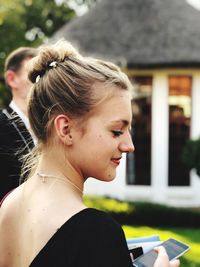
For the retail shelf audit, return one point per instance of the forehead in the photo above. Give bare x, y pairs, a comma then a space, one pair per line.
117, 106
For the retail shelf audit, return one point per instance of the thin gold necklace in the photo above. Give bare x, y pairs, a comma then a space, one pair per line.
66, 179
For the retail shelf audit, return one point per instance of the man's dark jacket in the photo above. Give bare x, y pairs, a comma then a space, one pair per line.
15, 141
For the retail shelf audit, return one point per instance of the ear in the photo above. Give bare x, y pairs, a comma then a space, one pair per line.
63, 124
10, 78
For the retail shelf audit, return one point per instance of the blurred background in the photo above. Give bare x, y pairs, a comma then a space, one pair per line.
157, 43
31, 23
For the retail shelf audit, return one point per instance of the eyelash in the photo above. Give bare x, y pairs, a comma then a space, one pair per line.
117, 133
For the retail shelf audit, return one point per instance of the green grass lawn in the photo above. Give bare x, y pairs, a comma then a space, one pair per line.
189, 236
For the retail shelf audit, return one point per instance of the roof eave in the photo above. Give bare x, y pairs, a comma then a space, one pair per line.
164, 65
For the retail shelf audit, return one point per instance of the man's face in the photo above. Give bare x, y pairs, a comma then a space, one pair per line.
22, 84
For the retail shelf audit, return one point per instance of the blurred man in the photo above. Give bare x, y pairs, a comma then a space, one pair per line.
15, 135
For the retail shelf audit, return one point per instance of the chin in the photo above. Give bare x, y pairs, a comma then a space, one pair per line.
109, 177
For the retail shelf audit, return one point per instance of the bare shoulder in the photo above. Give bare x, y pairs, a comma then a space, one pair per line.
8, 222
23, 217
9, 214
9, 205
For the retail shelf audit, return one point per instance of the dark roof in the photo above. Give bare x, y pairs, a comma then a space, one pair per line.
139, 33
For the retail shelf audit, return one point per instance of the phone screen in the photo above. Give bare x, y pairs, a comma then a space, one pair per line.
135, 252
174, 250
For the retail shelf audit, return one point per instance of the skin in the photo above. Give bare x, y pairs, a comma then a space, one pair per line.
108, 132
163, 260
75, 153
19, 85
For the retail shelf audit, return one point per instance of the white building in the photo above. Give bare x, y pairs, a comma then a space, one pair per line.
157, 42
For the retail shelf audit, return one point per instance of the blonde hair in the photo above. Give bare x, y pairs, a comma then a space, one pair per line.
64, 83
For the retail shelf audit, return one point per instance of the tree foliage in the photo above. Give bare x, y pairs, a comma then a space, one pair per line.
30, 23
191, 155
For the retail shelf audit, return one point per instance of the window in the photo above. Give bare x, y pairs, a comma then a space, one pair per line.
179, 127
139, 162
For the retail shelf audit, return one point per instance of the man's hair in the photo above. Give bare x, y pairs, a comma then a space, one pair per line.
15, 58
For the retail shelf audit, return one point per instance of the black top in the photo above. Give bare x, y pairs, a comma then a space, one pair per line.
90, 238
15, 141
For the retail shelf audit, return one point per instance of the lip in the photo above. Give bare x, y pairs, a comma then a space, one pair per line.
116, 161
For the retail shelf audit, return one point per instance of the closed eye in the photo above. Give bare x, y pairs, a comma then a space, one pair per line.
117, 133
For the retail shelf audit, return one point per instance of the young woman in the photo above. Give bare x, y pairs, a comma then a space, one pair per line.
80, 112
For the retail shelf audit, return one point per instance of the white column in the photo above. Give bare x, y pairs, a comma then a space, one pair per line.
195, 120
195, 130
160, 129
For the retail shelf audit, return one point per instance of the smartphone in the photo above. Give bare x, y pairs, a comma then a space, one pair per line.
135, 252
174, 249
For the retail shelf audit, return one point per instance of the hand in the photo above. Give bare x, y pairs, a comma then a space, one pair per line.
163, 259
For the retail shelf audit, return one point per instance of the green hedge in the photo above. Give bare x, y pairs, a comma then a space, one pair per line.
144, 213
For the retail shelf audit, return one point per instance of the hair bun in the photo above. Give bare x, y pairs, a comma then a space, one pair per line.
57, 52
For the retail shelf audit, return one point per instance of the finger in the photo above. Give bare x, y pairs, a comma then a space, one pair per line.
161, 251
175, 263
162, 259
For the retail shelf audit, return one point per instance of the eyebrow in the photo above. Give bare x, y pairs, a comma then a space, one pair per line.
125, 122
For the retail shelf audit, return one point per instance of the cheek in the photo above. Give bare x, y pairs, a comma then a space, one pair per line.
24, 85
105, 141
104, 145
27, 83
101, 152
98, 152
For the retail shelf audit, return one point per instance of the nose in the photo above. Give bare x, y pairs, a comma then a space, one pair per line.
127, 146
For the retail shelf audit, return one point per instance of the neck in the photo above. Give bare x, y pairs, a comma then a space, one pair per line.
21, 104
53, 167
46, 176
